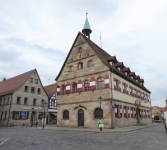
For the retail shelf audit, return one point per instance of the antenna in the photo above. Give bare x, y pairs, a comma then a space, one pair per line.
100, 40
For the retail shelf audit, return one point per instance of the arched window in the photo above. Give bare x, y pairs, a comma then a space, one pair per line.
66, 114
80, 66
63, 89
87, 85
74, 87
97, 113
100, 83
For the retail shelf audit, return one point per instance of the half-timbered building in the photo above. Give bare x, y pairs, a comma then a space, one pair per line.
87, 73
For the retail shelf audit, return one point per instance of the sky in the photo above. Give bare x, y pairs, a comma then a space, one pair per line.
39, 34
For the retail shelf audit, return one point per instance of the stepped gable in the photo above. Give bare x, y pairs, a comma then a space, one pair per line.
50, 89
11, 85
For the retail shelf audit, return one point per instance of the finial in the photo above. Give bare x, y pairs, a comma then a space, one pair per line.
86, 13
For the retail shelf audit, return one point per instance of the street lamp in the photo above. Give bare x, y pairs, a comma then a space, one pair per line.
32, 118
100, 100
44, 114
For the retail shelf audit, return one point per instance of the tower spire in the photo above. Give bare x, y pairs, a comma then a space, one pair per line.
86, 29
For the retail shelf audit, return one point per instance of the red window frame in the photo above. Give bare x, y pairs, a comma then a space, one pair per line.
87, 85
100, 83
97, 113
66, 114
74, 87
63, 89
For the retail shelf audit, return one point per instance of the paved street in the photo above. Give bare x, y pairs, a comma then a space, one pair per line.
17, 138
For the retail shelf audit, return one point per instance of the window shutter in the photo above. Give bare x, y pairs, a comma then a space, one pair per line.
106, 79
58, 90
128, 112
119, 85
116, 111
121, 111
131, 112
79, 86
27, 114
13, 115
123, 87
127, 88
125, 111
135, 112
115, 87
68, 85
92, 84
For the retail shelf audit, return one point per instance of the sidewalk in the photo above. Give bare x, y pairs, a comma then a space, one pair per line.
117, 130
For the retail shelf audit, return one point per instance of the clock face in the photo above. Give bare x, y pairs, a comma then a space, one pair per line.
79, 56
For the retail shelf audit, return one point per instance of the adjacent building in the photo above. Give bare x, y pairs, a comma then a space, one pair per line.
51, 91
88, 72
22, 99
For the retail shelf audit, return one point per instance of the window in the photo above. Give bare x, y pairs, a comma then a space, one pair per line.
34, 102
0, 101
118, 110
71, 68
25, 101
5, 115
18, 100
16, 114
1, 115
74, 87
31, 80
125, 87
87, 85
32, 90
36, 81
80, 66
23, 117
39, 91
117, 84
126, 109
26, 89
90, 63
8, 100
40, 115
63, 89
80, 50
100, 83
53, 102
66, 114
97, 113
4, 101
34, 74
42, 103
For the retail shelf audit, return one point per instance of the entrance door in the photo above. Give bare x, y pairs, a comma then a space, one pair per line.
80, 117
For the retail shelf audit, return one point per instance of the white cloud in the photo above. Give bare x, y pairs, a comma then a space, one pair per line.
39, 34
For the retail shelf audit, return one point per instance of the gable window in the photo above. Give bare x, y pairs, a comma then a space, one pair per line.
36, 81
71, 68
42, 103
63, 89
18, 100
66, 114
34, 102
31, 80
39, 91
74, 87
80, 50
34, 74
80, 66
100, 83
87, 85
25, 101
26, 89
32, 90
97, 113
90, 63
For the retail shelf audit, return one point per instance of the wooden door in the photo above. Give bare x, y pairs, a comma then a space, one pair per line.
80, 117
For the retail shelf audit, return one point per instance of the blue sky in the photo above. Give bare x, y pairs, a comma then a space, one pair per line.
39, 34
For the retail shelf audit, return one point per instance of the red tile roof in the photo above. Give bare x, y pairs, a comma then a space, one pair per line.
126, 69
118, 64
104, 56
11, 85
131, 73
51, 89
137, 77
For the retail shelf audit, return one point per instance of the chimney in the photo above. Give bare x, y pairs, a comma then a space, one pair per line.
4, 79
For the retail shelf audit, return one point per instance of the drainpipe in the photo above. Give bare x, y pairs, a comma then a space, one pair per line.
10, 108
112, 121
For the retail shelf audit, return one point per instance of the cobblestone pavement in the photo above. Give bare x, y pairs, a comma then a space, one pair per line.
152, 138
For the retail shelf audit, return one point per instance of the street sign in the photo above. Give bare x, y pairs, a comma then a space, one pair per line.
23, 113
111, 106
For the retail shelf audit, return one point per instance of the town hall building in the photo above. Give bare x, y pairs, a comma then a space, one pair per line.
88, 72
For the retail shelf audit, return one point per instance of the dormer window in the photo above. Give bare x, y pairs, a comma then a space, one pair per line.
80, 66
71, 68
80, 50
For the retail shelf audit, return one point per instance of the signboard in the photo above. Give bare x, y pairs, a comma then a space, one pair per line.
23, 113
111, 107
38, 108
101, 123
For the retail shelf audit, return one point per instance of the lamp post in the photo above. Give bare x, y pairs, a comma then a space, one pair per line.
44, 114
100, 100
32, 118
